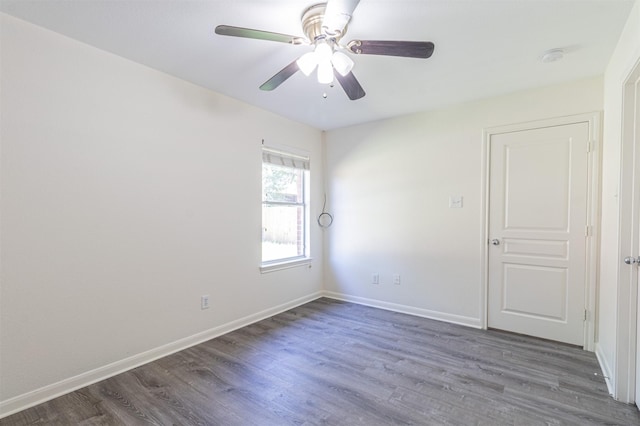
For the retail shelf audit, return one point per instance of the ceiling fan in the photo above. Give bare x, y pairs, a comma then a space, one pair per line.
324, 26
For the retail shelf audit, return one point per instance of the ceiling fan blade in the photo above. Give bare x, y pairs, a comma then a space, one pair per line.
350, 85
280, 77
407, 49
337, 15
258, 34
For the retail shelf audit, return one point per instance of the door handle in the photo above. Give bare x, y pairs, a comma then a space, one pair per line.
631, 260
495, 242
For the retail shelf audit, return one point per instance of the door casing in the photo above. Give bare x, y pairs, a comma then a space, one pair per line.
624, 368
593, 199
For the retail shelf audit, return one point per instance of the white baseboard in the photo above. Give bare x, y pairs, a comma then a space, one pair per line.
46, 393
405, 309
606, 368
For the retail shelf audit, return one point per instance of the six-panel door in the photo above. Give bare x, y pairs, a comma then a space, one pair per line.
537, 218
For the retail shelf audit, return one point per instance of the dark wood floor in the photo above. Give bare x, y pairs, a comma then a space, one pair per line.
337, 363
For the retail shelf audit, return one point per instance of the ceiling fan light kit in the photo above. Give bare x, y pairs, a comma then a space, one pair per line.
326, 61
342, 63
325, 72
307, 63
324, 26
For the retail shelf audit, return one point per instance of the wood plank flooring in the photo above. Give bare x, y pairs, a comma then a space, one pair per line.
337, 363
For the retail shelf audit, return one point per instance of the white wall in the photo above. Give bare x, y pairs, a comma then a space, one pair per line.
126, 195
389, 184
625, 56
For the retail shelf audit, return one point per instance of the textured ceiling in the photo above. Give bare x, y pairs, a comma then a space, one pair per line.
483, 48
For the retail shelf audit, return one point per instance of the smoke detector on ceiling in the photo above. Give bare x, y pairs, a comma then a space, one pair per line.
552, 55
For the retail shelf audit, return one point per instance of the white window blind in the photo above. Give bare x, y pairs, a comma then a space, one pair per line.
285, 159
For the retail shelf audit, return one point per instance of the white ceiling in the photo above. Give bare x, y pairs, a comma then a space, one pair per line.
483, 48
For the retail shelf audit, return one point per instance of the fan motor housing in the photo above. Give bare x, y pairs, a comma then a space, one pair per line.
312, 24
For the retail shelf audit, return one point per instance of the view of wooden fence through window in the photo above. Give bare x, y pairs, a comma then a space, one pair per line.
283, 212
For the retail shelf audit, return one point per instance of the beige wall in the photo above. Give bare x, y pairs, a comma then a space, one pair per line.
126, 195
389, 184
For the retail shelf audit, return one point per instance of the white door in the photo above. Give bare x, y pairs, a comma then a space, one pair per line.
630, 244
635, 248
637, 282
537, 223
627, 325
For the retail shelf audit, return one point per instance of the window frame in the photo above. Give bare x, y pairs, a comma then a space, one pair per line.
293, 156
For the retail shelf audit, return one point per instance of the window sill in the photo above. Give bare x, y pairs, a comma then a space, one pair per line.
271, 267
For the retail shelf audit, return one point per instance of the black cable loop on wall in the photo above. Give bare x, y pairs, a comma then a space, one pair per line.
325, 214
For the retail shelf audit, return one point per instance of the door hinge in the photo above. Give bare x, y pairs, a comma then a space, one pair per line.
590, 146
587, 230
585, 315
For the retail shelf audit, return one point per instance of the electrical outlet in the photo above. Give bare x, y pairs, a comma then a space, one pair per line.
396, 279
375, 278
204, 302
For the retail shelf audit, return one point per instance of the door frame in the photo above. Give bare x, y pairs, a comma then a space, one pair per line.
593, 211
624, 368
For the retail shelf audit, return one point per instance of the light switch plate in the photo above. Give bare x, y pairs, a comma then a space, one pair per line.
204, 301
455, 201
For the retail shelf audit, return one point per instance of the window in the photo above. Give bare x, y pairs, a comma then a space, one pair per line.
285, 183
